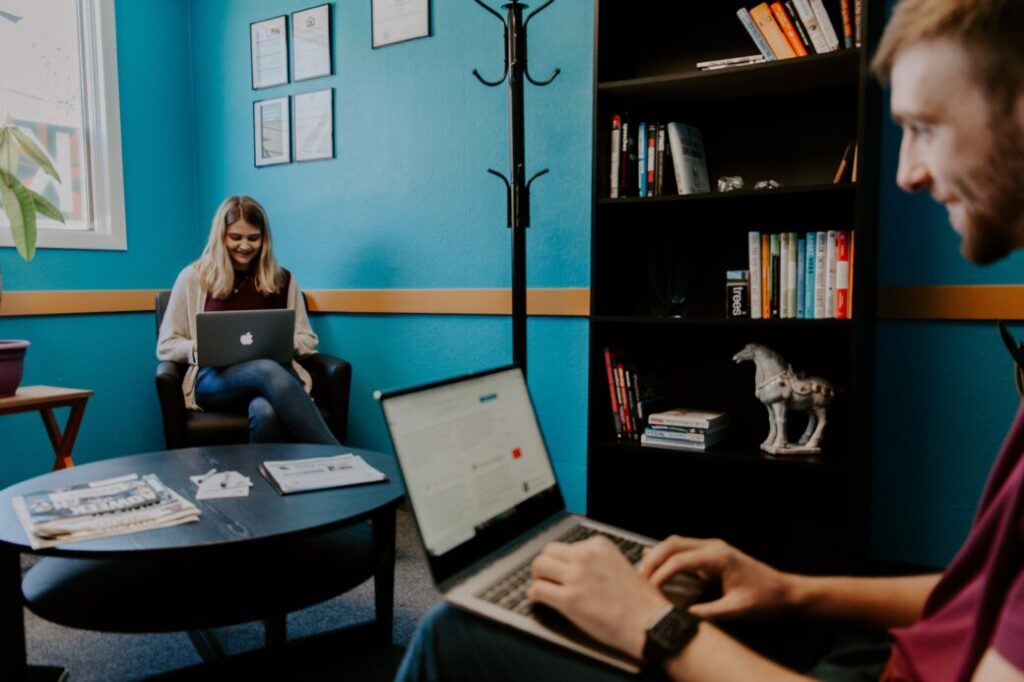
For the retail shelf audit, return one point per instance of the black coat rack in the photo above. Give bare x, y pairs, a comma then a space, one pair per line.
516, 186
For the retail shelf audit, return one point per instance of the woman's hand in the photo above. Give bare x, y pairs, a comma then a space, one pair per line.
595, 587
749, 587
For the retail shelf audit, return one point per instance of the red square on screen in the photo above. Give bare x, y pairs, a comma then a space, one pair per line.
516, 453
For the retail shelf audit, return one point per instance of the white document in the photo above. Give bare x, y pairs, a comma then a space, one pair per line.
315, 473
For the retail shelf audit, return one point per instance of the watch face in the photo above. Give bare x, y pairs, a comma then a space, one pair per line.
669, 635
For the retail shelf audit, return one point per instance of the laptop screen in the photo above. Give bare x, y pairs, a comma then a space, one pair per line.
473, 459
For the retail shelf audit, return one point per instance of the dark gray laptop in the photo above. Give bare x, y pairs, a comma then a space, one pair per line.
482, 489
232, 336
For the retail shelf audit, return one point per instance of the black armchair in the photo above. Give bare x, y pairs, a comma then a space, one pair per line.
332, 379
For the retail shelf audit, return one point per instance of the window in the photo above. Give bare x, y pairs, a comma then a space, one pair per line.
58, 83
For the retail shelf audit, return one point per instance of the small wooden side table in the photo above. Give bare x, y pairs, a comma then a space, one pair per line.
45, 399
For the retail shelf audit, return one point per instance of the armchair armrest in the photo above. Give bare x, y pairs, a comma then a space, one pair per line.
169, 376
332, 381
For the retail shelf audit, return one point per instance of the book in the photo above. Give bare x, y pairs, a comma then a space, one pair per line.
754, 264
857, 9
794, 18
686, 435
776, 286
651, 158
688, 161
853, 243
812, 246
765, 22
319, 473
670, 443
125, 504
624, 413
784, 275
845, 10
791, 275
732, 61
819, 275
842, 275
616, 156
737, 288
680, 416
659, 161
766, 280
801, 276
825, 22
810, 22
627, 161
830, 275
788, 30
755, 34
609, 365
641, 158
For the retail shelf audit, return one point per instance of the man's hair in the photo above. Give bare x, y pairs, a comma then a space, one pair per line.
992, 31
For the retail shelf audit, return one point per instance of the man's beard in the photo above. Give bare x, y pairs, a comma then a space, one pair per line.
995, 194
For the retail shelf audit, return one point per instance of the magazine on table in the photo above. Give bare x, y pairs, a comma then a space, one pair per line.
126, 504
317, 473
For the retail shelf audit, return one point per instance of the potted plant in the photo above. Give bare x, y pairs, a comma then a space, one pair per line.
20, 204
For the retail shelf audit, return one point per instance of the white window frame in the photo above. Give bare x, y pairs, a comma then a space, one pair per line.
102, 135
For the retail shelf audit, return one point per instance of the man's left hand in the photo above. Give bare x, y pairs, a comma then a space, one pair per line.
595, 587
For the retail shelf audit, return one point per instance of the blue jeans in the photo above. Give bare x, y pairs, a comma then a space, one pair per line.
277, 404
453, 645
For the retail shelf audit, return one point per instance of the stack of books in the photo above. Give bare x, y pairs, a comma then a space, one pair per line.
785, 29
685, 429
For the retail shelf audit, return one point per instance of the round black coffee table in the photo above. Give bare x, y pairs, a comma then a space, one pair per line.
260, 556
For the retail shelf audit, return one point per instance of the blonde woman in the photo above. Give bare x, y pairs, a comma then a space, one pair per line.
237, 271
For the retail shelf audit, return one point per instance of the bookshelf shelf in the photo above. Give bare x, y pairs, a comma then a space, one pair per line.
655, 256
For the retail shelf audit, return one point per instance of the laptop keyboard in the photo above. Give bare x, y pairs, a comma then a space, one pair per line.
510, 592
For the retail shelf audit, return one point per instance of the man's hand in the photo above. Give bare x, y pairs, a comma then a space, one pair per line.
749, 587
593, 585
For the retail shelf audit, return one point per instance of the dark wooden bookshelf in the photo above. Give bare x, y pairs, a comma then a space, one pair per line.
786, 120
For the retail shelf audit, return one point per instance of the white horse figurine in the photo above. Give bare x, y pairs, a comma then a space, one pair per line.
780, 389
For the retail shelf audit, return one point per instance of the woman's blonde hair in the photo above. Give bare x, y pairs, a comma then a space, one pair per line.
214, 267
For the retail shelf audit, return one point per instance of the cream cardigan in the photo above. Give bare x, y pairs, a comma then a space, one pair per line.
178, 330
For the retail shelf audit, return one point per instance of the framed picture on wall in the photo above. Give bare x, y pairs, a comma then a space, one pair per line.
268, 46
311, 43
271, 126
395, 21
314, 125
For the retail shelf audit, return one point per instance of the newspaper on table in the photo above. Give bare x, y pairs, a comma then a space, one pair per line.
114, 506
317, 473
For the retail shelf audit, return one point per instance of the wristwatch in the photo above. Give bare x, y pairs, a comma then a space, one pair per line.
667, 634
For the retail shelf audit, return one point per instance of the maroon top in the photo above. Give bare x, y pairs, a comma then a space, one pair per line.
245, 296
979, 602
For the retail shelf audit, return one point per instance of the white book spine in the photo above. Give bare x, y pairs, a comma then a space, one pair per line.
830, 275
810, 22
791, 273
826, 25
755, 33
616, 156
819, 276
754, 258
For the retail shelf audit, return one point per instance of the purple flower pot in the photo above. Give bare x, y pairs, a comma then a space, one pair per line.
12, 357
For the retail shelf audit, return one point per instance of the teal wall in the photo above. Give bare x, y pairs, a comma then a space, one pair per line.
406, 203
114, 354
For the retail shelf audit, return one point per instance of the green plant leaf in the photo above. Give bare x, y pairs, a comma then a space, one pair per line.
8, 153
34, 152
21, 212
44, 206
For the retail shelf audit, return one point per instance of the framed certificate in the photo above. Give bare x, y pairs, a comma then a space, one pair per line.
314, 125
271, 126
268, 45
311, 43
395, 21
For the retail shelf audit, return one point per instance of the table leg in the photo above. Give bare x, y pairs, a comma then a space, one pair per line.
62, 444
384, 578
12, 618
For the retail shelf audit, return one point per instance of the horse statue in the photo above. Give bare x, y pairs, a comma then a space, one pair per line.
781, 389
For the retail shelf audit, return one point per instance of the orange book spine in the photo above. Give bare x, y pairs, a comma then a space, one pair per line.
766, 279
853, 243
765, 22
788, 29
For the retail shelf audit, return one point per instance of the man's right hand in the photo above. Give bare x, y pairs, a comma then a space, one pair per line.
749, 587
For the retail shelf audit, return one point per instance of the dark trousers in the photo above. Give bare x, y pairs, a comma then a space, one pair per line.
452, 645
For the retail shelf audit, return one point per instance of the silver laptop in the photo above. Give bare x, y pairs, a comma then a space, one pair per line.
484, 495
232, 336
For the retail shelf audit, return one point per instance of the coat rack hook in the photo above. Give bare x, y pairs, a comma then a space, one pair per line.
500, 175
535, 12
498, 15
491, 84
534, 177
545, 82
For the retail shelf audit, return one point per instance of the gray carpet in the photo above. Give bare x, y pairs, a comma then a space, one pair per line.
104, 656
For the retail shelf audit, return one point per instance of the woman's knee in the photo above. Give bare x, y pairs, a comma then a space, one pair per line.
261, 411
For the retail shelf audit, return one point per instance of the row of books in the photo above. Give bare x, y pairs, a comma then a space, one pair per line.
635, 393
643, 153
795, 276
785, 29
685, 429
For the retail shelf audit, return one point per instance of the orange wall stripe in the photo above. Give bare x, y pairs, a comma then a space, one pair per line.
954, 302
553, 302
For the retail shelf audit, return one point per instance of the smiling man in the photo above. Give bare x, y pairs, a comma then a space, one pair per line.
956, 69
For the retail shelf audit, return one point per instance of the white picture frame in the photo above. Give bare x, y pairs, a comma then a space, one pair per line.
268, 48
311, 43
271, 125
395, 21
313, 115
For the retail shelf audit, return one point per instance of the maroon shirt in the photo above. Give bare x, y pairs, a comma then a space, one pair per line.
979, 602
245, 296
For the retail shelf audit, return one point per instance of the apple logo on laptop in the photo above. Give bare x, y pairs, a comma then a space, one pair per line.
246, 339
